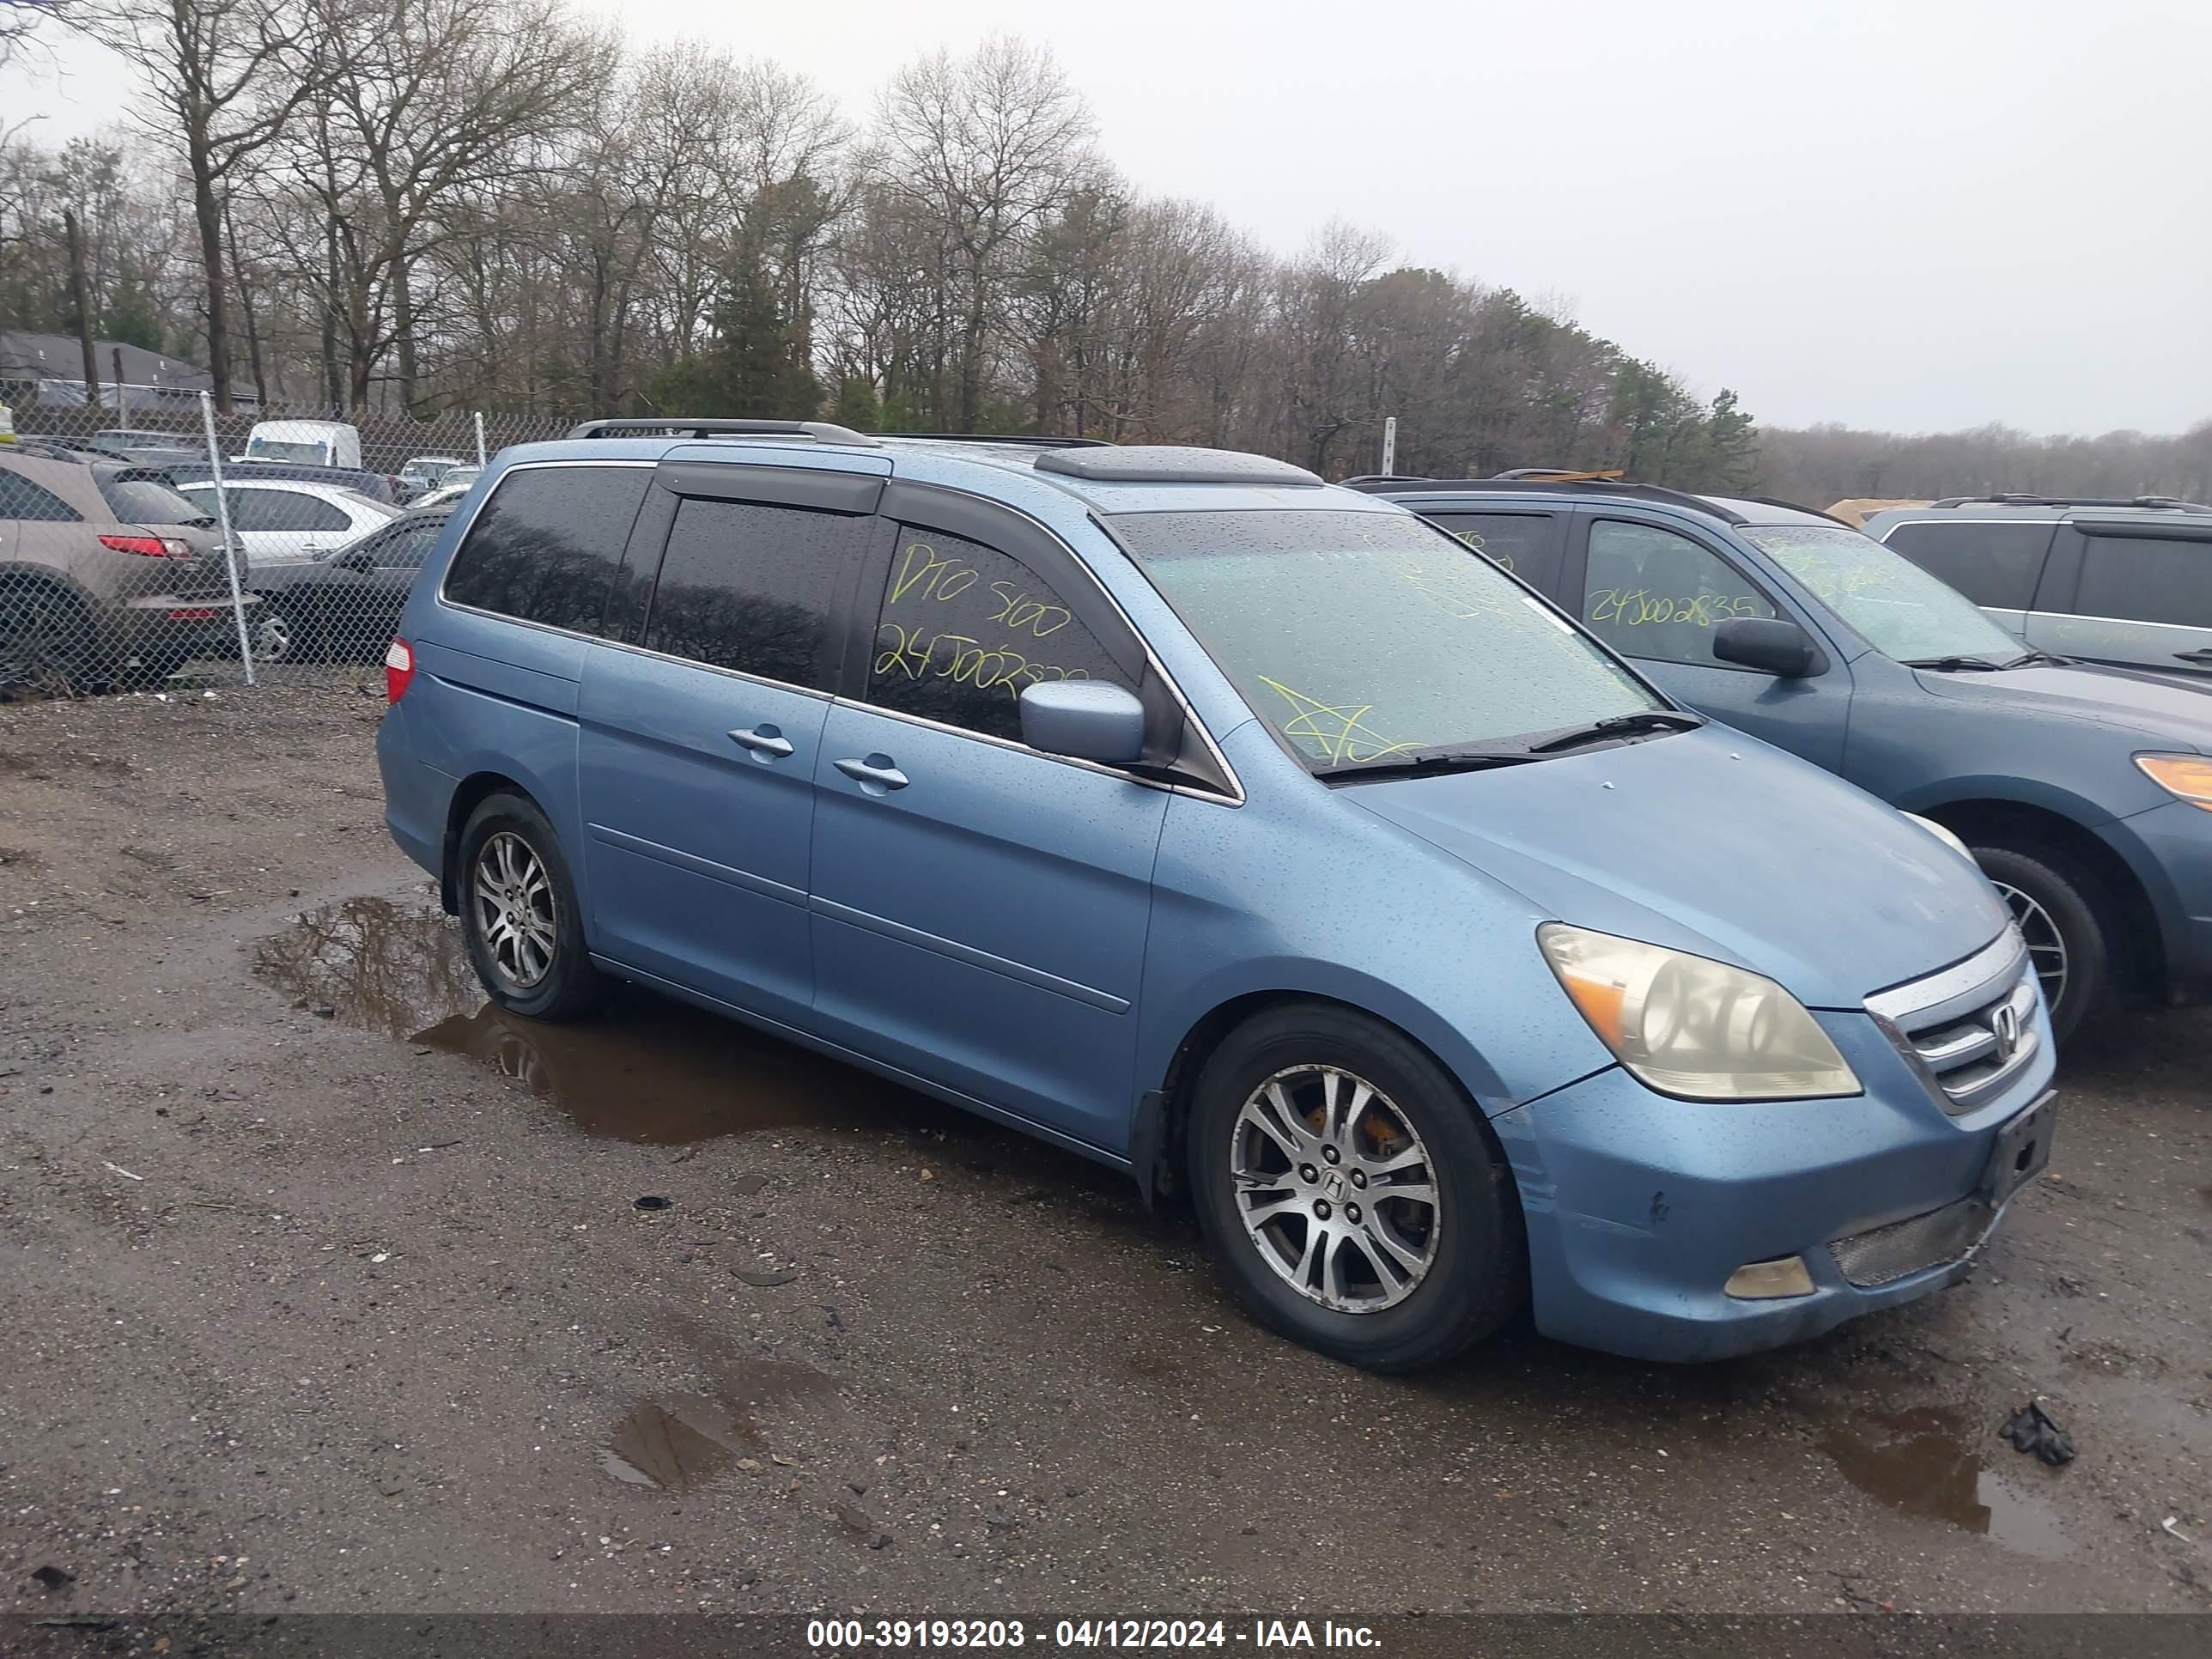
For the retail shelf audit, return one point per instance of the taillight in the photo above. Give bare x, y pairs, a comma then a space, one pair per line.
399, 670
152, 547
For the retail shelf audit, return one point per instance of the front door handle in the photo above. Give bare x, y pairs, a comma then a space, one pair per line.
2204, 656
875, 773
763, 739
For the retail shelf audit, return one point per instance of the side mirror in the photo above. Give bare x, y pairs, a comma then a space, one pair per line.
1773, 645
1083, 719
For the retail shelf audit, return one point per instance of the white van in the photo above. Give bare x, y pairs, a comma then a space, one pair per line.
312, 443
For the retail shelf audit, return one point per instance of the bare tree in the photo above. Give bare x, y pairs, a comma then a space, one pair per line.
226, 75
18, 18
987, 147
429, 102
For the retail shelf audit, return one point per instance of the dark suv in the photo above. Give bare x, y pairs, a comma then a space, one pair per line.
2125, 582
2084, 794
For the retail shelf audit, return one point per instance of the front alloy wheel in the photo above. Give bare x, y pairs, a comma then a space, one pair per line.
1334, 1188
2046, 946
1351, 1191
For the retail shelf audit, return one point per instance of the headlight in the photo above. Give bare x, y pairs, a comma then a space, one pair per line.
1941, 835
1690, 1026
2189, 776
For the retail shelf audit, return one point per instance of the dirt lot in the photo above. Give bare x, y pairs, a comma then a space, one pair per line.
326, 1288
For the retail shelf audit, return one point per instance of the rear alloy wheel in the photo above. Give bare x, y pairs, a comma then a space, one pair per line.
1352, 1193
2060, 911
520, 914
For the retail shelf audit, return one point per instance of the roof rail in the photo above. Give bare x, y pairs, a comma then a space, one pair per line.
1033, 440
2168, 503
1565, 474
1798, 506
823, 432
1640, 492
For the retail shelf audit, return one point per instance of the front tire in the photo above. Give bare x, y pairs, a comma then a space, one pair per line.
2061, 911
520, 916
1352, 1193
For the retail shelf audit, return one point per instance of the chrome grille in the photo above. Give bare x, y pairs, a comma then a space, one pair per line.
1969, 1029
1912, 1245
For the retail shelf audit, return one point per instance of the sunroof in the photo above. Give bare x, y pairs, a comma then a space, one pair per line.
1170, 464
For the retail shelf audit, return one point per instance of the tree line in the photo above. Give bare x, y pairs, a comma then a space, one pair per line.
406, 206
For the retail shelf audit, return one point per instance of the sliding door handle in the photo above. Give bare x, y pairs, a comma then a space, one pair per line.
762, 739
876, 772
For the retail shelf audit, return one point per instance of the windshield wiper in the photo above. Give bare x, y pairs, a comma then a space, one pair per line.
1951, 664
1620, 725
1430, 762
2034, 657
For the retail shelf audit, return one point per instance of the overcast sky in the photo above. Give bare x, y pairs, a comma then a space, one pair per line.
1917, 215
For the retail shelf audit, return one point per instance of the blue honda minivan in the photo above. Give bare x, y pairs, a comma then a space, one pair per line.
1249, 835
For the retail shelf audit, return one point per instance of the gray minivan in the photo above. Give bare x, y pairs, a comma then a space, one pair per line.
2123, 582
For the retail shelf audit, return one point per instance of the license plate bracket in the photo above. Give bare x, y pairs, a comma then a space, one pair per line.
2021, 1151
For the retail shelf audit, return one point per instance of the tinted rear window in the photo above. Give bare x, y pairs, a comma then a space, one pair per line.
2136, 579
750, 586
143, 500
1992, 564
545, 546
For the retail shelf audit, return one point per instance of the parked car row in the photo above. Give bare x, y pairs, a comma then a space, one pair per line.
1399, 910
2079, 790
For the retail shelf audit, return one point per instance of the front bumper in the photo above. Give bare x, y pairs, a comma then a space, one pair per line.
1639, 1207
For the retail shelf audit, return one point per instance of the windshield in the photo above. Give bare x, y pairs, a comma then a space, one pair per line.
1361, 636
139, 498
1902, 610
279, 449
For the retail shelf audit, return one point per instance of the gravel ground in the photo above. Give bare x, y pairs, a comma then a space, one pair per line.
328, 1290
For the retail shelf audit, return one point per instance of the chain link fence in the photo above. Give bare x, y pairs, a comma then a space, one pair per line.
113, 534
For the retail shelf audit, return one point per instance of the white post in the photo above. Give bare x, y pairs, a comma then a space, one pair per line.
222, 518
480, 449
1390, 446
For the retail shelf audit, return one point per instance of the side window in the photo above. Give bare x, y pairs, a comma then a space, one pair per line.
2135, 579
22, 499
1992, 564
964, 628
250, 509
294, 509
1649, 592
1520, 542
752, 587
405, 549
545, 546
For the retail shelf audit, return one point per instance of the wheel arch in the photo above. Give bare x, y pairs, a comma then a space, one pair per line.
468, 795
1159, 1144
2026, 826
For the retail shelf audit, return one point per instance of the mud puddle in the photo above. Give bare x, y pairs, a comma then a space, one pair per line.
643, 1069
1921, 1462
681, 1443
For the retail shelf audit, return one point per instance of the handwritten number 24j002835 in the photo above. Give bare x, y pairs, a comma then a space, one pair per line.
919, 645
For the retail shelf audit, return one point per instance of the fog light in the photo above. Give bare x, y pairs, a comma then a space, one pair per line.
1757, 1282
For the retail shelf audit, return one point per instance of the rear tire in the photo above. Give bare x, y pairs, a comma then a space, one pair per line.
46, 643
520, 916
2064, 914
1397, 1240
